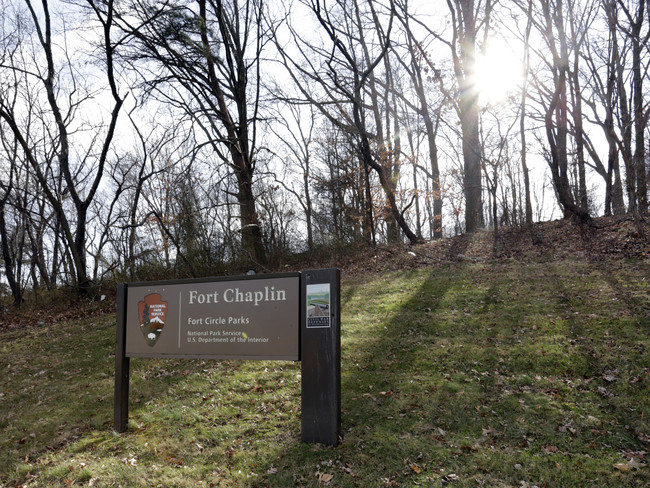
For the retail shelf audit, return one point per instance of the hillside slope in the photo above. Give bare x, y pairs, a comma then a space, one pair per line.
604, 238
464, 364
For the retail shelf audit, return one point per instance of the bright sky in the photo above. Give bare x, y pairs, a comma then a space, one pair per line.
499, 72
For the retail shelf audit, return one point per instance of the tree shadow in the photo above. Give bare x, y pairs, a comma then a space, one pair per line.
460, 364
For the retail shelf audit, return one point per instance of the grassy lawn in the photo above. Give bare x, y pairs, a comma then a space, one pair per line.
474, 374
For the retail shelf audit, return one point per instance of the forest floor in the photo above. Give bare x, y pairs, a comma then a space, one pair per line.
516, 362
603, 238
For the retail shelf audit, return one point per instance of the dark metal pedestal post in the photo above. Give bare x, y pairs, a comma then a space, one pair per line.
320, 356
121, 395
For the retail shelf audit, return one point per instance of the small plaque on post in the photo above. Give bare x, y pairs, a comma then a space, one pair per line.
319, 302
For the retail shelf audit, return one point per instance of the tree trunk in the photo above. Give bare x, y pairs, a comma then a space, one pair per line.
576, 114
414, 69
14, 286
237, 133
464, 58
522, 121
250, 225
640, 119
435, 172
555, 120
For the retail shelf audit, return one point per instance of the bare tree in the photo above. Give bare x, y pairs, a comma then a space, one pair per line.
7, 186
339, 189
63, 97
579, 21
496, 132
155, 148
336, 76
420, 69
207, 56
466, 25
296, 131
549, 19
634, 114
600, 56
522, 120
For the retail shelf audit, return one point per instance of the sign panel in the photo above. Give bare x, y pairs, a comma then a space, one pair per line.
247, 317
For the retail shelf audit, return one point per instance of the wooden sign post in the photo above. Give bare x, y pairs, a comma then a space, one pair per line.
246, 317
320, 346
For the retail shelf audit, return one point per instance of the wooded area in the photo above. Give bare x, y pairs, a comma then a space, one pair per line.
152, 138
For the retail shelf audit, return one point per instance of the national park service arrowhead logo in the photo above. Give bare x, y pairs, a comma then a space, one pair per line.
152, 312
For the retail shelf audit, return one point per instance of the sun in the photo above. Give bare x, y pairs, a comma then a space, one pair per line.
498, 73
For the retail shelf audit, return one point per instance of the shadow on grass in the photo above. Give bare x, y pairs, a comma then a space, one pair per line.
388, 415
484, 375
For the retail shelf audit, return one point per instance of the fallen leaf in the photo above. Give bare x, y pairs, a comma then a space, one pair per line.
488, 432
450, 477
416, 469
604, 392
632, 465
644, 437
389, 482
133, 461
325, 477
635, 464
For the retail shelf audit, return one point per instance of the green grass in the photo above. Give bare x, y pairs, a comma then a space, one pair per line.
468, 375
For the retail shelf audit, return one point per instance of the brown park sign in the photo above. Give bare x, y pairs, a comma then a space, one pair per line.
284, 316
251, 317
